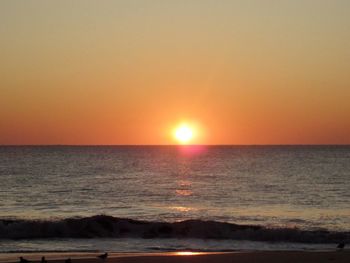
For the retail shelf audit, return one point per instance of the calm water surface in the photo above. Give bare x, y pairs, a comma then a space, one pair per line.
291, 186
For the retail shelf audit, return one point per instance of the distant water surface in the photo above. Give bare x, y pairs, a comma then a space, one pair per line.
275, 186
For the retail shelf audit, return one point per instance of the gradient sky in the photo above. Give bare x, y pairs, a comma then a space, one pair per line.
127, 72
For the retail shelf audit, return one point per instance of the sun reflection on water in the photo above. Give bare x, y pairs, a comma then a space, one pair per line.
187, 253
183, 192
184, 188
183, 208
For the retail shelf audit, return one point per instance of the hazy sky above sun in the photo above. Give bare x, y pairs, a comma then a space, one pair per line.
129, 72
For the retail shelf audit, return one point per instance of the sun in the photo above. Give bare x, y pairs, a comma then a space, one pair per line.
184, 133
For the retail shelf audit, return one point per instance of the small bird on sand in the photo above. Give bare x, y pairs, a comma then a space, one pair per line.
341, 246
68, 260
43, 260
103, 256
23, 260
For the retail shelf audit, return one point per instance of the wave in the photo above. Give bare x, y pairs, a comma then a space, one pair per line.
103, 226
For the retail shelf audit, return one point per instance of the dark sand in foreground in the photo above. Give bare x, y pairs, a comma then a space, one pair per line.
176, 257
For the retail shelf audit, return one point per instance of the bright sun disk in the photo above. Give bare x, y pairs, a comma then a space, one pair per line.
183, 134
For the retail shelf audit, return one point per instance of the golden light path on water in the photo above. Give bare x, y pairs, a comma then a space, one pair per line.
184, 189
188, 253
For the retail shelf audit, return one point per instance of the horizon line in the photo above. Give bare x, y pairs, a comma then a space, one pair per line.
165, 145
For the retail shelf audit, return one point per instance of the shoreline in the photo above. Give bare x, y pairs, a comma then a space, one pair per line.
185, 256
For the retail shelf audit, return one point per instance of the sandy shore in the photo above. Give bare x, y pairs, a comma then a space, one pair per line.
179, 257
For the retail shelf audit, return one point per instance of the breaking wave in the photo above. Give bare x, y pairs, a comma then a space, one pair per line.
103, 226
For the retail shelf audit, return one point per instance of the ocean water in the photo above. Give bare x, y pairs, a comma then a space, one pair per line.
83, 198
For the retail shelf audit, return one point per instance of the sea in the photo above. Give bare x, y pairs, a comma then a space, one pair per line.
173, 198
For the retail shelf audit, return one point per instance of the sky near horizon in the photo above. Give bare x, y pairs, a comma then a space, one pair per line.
128, 72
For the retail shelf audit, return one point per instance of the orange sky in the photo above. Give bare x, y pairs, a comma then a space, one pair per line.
127, 72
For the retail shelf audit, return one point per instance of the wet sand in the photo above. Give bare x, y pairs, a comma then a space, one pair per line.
189, 257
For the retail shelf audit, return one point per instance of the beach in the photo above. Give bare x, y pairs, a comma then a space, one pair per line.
174, 131
178, 257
